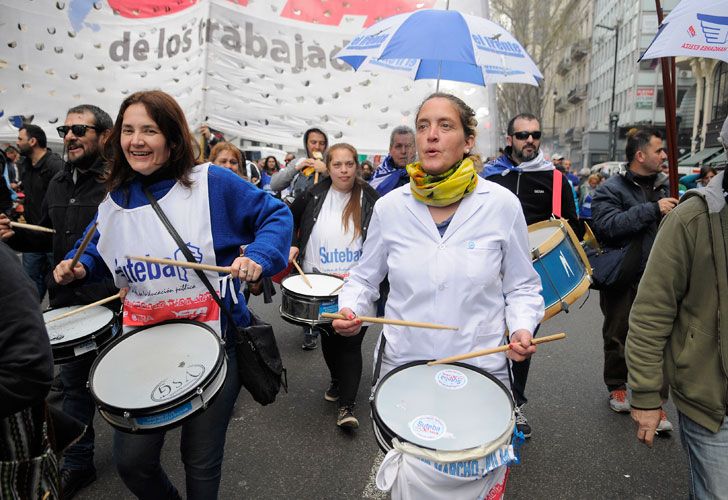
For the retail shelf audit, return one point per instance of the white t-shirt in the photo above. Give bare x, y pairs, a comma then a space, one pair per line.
330, 249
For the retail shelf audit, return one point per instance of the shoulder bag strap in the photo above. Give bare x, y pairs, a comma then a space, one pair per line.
188, 255
556, 194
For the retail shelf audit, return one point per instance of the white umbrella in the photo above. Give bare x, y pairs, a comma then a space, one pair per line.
442, 45
695, 28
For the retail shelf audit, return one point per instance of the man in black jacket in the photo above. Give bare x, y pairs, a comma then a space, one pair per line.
523, 170
626, 211
69, 206
37, 167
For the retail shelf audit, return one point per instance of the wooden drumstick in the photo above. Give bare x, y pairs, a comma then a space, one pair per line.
317, 156
485, 352
386, 321
336, 289
81, 309
84, 244
32, 227
180, 263
300, 271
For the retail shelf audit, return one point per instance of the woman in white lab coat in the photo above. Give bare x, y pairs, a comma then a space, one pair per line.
455, 248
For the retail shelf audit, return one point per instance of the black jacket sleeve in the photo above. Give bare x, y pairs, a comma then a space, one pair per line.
26, 362
616, 218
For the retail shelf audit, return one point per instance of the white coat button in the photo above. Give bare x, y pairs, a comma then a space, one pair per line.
441, 287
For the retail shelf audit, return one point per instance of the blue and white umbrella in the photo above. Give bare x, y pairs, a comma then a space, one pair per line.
695, 28
442, 45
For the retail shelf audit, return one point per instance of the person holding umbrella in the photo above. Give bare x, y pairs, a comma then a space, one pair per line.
454, 246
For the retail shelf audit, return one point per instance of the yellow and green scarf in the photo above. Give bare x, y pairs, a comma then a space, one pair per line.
443, 189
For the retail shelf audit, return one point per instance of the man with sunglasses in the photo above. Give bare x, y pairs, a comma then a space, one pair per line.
523, 170
69, 206
38, 166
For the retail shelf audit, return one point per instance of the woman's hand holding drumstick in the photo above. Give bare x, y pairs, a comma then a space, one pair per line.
246, 269
63, 274
521, 347
347, 327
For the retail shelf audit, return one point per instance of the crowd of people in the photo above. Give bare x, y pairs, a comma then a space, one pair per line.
432, 232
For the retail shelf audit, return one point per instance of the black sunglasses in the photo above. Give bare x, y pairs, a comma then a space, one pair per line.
522, 136
78, 130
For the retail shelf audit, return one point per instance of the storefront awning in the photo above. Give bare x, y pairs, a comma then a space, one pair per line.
699, 157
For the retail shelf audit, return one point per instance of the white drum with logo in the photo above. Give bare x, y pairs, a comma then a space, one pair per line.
302, 304
80, 336
452, 424
157, 376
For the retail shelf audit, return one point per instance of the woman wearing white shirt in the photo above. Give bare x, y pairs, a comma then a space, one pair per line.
455, 248
331, 221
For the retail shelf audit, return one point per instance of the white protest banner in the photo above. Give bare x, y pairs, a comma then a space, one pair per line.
259, 70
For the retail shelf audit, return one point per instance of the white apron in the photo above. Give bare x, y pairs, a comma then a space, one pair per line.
158, 293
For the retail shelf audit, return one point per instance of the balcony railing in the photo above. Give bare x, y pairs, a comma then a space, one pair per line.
580, 49
577, 94
564, 66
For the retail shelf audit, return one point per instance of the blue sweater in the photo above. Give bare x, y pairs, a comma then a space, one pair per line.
240, 214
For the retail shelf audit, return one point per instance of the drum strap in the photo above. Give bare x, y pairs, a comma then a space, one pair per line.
190, 258
380, 355
556, 194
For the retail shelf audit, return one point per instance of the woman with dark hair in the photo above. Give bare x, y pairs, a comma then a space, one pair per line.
332, 218
455, 249
225, 222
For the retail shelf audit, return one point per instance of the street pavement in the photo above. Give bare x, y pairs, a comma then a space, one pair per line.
293, 450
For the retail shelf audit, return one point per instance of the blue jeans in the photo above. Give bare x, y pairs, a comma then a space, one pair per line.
37, 266
202, 446
707, 458
77, 402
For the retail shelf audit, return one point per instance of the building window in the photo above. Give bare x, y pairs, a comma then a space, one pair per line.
720, 92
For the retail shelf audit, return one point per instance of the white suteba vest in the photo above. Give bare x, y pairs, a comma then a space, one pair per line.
158, 293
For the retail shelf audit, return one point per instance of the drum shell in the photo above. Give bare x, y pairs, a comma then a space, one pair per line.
562, 266
90, 345
302, 309
127, 420
384, 434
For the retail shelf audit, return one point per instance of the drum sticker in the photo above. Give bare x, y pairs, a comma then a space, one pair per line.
84, 348
186, 376
451, 379
165, 417
428, 427
329, 307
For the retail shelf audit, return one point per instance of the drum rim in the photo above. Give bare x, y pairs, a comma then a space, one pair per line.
176, 401
106, 335
78, 340
377, 419
308, 296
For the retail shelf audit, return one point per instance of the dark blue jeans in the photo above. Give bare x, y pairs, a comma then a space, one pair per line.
37, 266
202, 446
77, 402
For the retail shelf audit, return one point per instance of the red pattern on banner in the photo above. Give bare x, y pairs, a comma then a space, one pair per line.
202, 308
307, 11
497, 491
331, 13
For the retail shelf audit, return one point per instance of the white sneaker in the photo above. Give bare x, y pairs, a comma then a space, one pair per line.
618, 401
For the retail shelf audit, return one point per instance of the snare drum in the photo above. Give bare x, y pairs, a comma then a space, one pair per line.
561, 263
448, 408
457, 418
302, 305
80, 336
156, 376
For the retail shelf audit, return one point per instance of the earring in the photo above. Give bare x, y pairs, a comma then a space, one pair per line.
467, 151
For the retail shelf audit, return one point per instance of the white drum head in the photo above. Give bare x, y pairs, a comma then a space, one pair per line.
77, 326
323, 285
538, 237
155, 366
444, 407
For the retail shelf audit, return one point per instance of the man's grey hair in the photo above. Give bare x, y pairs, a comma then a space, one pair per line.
400, 130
